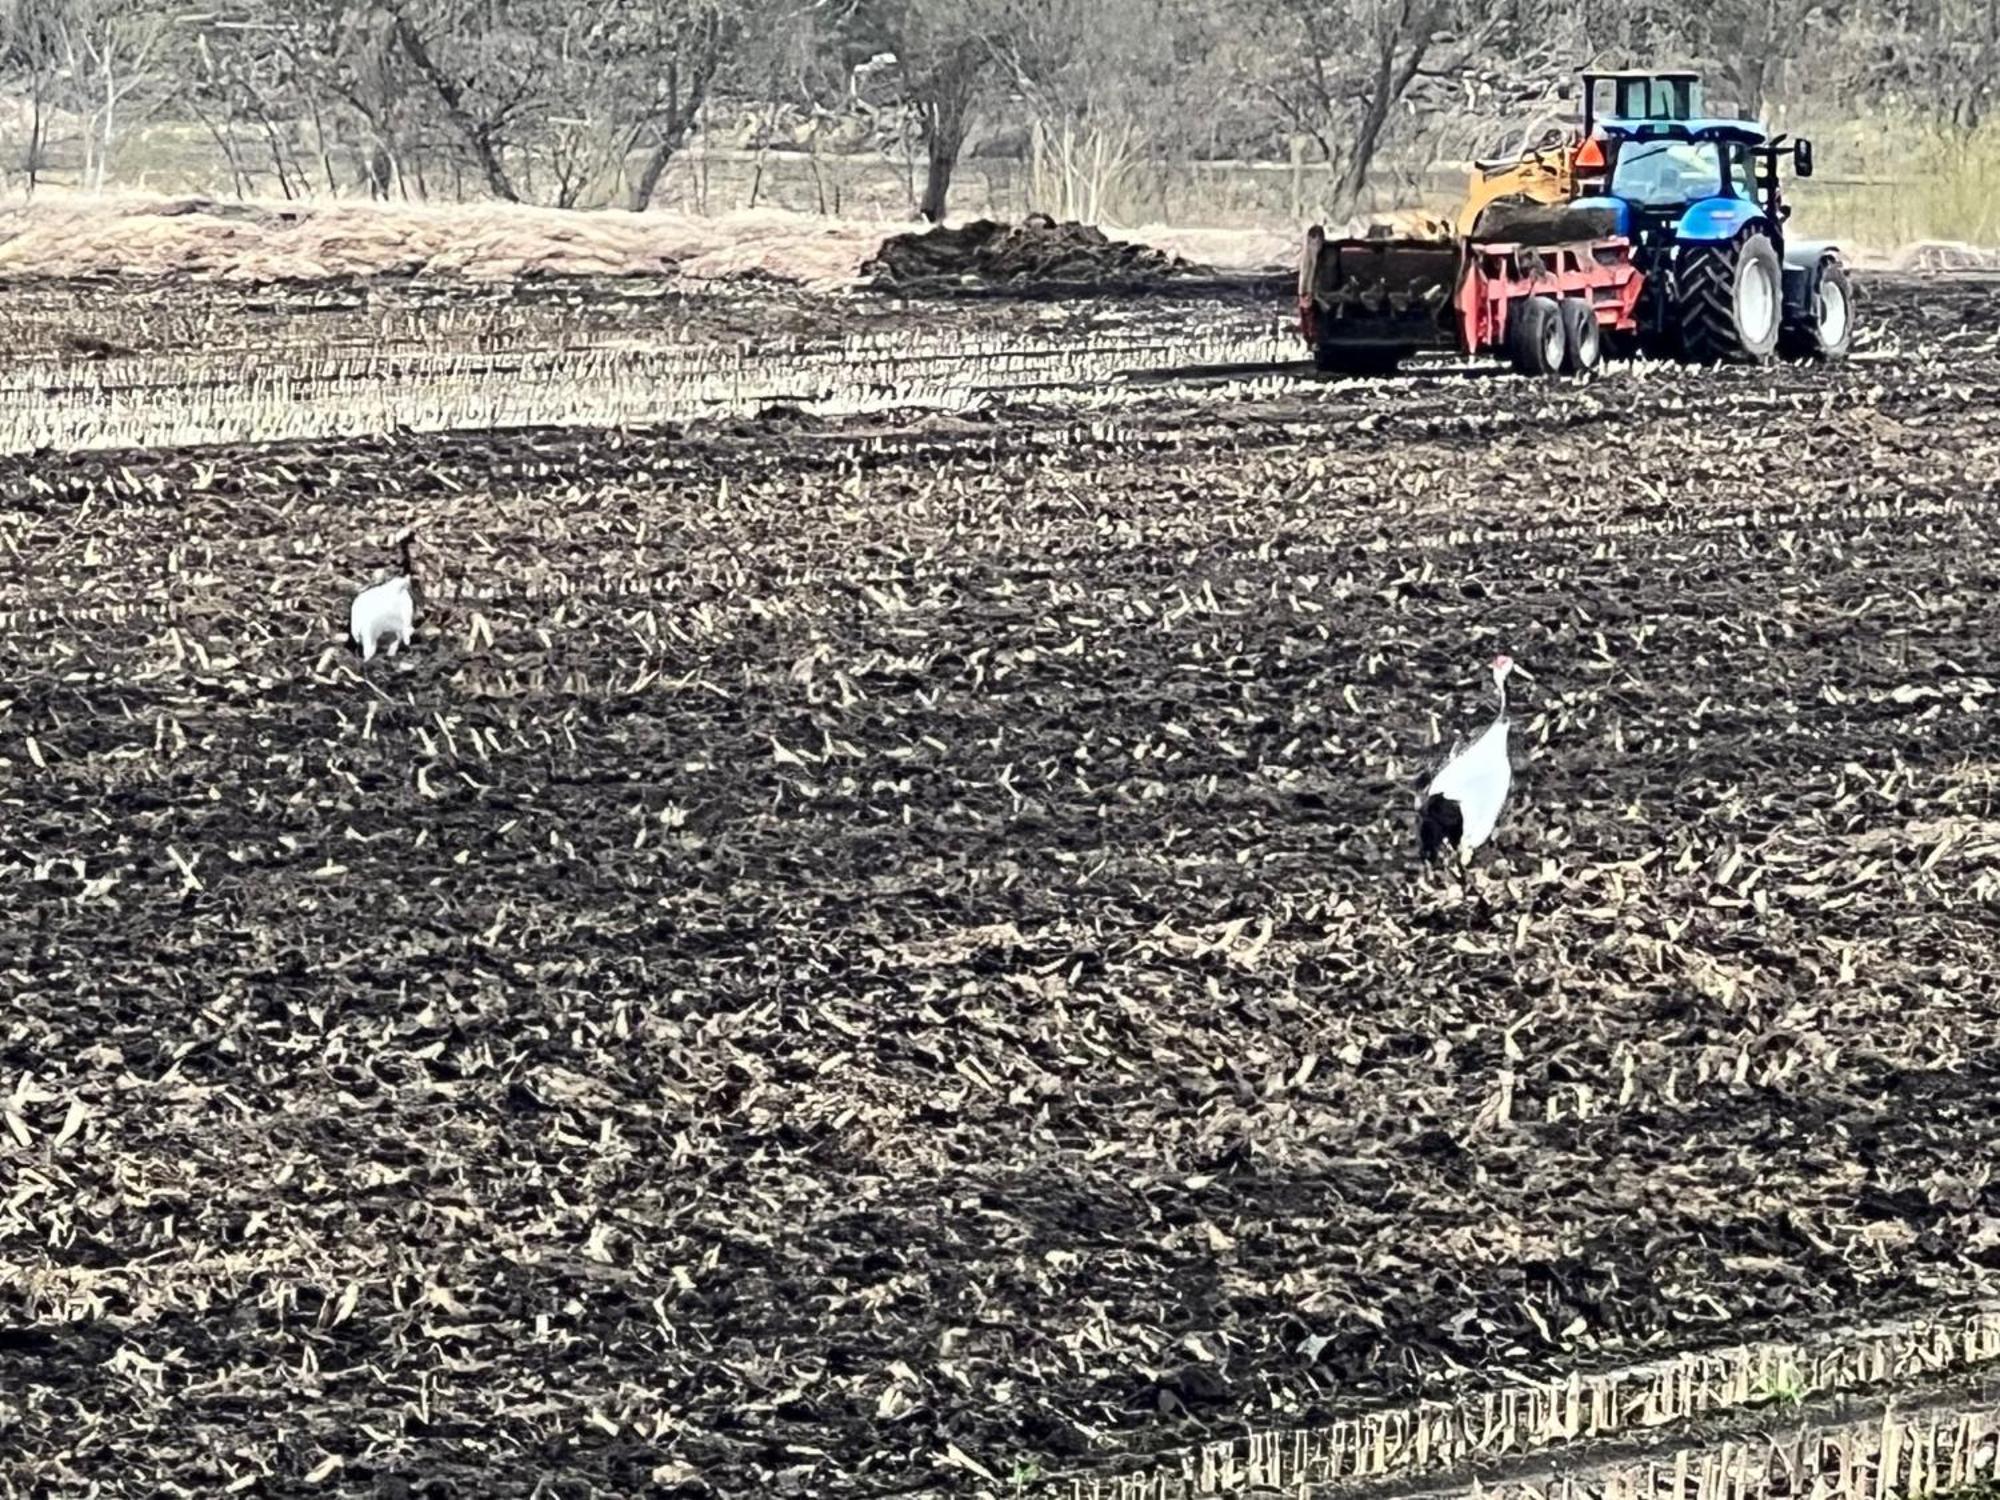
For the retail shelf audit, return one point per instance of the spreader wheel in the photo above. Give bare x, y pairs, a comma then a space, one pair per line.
1536, 340
1583, 346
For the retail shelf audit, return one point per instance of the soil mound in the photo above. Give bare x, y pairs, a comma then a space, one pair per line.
1037, 250
1526, 222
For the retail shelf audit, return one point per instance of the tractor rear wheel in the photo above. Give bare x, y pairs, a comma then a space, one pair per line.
1536, 337
1583, 345
1730, 300
1825, 330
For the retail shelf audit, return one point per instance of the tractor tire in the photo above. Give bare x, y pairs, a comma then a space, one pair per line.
1583, 342
1535, 338
1825, 331
1730, 301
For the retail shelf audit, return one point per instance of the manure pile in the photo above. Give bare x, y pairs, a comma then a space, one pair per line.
879, 955
1039, 250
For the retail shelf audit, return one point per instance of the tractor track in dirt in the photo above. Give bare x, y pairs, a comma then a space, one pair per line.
865, 949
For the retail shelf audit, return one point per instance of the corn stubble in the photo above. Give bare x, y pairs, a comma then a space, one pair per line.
866, 948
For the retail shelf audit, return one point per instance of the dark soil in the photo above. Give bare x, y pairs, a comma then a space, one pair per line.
1526, 222
842, 945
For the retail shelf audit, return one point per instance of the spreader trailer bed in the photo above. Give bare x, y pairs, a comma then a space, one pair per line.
1365, 305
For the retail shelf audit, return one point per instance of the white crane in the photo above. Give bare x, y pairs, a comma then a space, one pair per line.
386, 612
1464, 800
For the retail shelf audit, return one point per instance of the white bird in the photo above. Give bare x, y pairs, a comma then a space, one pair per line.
385, 613
1464, 800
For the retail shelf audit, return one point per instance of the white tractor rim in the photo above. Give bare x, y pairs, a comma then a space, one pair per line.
1756, 303
1832, 313
1553, 343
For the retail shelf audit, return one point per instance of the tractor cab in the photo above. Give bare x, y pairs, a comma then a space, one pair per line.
1657, 172
1701, 200
1626, 99
1698, 177
1674, 94
1648, 148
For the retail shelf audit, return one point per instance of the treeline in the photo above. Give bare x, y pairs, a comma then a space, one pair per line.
581, 102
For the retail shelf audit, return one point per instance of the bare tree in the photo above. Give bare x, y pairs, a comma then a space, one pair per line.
525, 91
237, 80
946, 58
31, 49
347, 62
1091, 74
663, 58
480, 64
1355, 66
110, 52
1950, 64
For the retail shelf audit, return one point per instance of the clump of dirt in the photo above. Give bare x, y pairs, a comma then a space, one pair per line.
1036, 250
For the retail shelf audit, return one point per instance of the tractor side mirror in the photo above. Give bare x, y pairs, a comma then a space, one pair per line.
1802, 158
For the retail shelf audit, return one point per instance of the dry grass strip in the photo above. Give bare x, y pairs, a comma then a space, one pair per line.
134, 234
1517, 1420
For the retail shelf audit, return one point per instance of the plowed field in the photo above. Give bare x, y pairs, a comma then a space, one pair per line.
883, 954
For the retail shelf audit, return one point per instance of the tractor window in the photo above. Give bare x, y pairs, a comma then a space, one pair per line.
1660, 174
1742, 173
1651, 99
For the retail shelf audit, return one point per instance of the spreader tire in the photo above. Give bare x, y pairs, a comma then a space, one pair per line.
1536, 338
1583, 345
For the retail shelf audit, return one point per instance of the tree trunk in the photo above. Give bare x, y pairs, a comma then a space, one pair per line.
648, 181
1354, 176
673, 130
937, 182
1393, 76
944, 137
110, 108
319, 142
35, 132
224, 136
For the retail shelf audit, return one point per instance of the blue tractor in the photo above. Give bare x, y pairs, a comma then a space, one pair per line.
1701, 202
